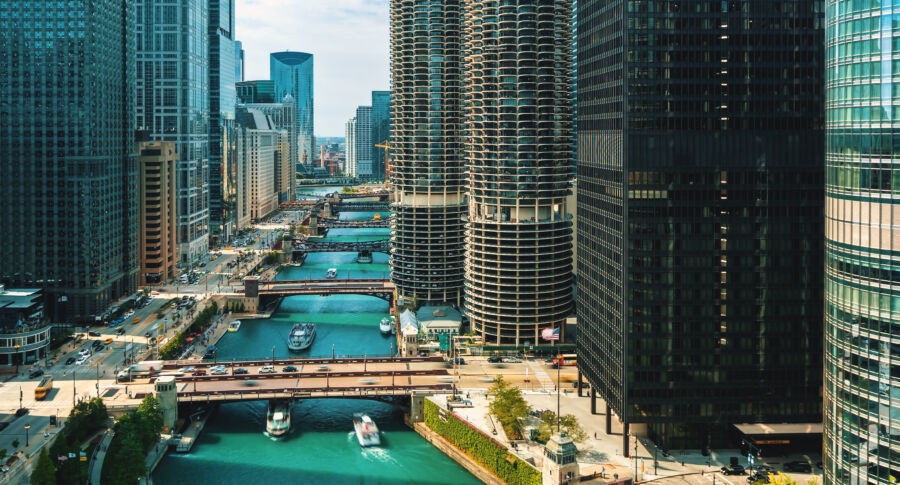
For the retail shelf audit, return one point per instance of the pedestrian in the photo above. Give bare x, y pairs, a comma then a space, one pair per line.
595, 435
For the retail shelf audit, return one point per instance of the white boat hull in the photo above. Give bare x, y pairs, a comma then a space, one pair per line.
366, 433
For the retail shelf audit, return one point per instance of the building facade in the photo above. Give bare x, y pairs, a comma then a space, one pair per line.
700, 189
69, 199
381, 131
862, 237
283, 115
259, 91
350, 147
24, 332
258, 147
222, 99
173, 105
427, 167
364, 144
518, 115
157, 240
293, 74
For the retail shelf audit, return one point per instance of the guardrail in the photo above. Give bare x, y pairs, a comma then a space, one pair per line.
345, 359
323, 392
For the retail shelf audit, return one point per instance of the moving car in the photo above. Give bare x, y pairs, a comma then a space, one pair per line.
289, 368
240, 370
511, 360
82, 360
108, 341
70, 361
798, 466
94, 333
267, 370
199, 372
494, 359
733, 470
37, 373
185, 370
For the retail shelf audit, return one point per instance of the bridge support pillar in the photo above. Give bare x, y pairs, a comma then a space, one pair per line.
417, 406
314, 225
168, 401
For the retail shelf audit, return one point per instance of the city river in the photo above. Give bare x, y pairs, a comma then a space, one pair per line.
321, 448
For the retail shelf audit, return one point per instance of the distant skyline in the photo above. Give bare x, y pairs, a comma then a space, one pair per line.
349, 39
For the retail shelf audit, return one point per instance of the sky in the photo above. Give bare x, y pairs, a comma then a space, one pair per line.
349, 40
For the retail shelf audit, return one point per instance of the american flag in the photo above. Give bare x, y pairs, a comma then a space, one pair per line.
550, 334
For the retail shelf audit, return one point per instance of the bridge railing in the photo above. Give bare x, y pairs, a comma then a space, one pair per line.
337, 359
295, 393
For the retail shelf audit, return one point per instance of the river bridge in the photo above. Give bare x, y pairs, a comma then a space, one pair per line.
337, 207
304, 246
355, 377
332, 223
266, 291
381, 194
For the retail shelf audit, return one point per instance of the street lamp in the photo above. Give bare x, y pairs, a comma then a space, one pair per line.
27, 426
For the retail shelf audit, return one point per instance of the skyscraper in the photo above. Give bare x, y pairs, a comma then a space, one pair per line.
364, 144
257, 145
173, 105
222, 97
259, 91
283, 115
69, 183
519, 123
350, 147
426, 157
862, 236
700, 188
381, 129
293, 74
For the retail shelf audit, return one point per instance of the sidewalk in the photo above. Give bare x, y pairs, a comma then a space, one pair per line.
95, 469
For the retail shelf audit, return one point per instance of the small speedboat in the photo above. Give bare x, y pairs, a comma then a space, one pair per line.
366, 430
234, 326
385, 326
331, 273
278, 418
301, 336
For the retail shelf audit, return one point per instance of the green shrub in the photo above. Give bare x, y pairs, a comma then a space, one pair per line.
483, 449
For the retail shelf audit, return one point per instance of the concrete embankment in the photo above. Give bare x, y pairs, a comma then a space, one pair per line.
456, 455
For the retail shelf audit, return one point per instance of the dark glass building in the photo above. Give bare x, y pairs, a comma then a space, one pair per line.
222, 100
293, 74
261, 91
381, 130
700, 206
68, 188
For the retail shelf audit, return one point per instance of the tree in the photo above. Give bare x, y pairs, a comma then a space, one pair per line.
44, 472
125, 463
3, 453
15, 443
567, 423
150, 419
509, 407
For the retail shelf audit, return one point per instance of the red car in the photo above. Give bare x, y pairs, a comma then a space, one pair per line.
199, 372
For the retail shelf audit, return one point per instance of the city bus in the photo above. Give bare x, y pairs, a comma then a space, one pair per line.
567, 359
40, 392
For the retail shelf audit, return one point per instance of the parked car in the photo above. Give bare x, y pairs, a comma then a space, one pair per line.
37, 373
764, 469
758, 477
241, 370
289, 368
495, 359
798, 466
733, 470
267, 370
199, 372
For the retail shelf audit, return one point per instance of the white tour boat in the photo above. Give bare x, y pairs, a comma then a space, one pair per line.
366, 430
234, 326
302, 336
385, 326
278, 419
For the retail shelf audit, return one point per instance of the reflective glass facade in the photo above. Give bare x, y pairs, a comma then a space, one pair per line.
862, 253
222, 99
173, 105
293, 74
381, 129
700, 193
68, 176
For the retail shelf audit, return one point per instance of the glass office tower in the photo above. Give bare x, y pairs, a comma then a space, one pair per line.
862, 240
293, 74
519, 123
222, 99
700, 192
381, 130
173, 105
68, 188
426, 156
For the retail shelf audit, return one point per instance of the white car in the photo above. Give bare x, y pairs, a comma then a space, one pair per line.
267, 370
187, 370
82, 360
84, 352
218, 372
511, 360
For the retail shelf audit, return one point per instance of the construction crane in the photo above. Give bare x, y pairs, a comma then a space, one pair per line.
387, 161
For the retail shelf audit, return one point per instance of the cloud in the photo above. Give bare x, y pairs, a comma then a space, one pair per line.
348, 38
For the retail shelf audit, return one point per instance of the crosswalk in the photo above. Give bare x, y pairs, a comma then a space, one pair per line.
540, 374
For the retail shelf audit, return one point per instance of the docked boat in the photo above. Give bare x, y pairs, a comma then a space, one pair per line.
278, 419
234, 326
302, 336
366, 430
393, 325
385, 326
331, 273
365, 257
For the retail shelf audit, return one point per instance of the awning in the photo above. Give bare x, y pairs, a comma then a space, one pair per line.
769, 429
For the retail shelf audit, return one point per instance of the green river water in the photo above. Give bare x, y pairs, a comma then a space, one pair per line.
321, 447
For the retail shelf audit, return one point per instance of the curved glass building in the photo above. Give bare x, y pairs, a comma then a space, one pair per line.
862, 254
426, 160
293, 74
518, 119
